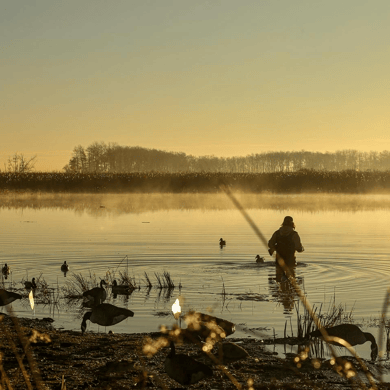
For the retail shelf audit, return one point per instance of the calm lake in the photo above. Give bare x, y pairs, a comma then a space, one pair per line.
346, 258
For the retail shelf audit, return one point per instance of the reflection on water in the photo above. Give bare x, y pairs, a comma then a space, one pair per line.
346, 239
281, 288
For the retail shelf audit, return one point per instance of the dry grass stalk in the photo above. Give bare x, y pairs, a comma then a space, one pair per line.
147, 279
297, 289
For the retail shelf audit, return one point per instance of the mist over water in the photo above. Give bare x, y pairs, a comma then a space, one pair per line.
346, 240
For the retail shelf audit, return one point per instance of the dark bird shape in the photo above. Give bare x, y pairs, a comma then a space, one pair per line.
7, 297
222, 242
105, 314
64, 267
5, 270
259, 259
97, 294
29, 285
184, 369
230, 352
120, 288
351, 334
197, 317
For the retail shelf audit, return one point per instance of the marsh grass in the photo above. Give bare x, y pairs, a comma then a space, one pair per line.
77, 284
164, 281
335, 314
147, 280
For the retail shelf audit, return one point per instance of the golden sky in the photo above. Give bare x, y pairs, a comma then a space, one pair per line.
218, 77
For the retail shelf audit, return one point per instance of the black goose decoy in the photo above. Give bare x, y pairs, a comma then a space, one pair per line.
29, 285
64, 267
222, 242
97, 294
7, 297
5, 270
184, 369
120, 288
196, 318
351, 334
105, 314
230, 352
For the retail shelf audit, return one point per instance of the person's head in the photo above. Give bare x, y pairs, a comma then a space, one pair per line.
288, 221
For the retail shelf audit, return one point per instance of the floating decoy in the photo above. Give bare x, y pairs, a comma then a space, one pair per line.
351, 334
97, 294
120, 288
105, 314
7, 297
259, 259
184, 369
222, 242
29, 285
64, 267
5, 270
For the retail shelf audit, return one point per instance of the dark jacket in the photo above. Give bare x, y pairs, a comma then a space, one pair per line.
285, 231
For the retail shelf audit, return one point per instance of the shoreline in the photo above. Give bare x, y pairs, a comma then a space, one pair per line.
118, 361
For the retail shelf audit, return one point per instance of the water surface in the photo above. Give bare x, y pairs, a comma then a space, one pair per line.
346, 258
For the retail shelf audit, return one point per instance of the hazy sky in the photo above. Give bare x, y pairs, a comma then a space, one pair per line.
218, 77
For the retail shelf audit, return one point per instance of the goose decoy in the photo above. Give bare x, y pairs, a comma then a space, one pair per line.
64, 267
105, 314
222, 242
197, 317
7, 297
259, 259
120, 288
97, 294
29, 285
230, 352
351, 334
184, 369
5, 270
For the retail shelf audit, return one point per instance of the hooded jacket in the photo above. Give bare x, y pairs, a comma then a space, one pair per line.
285, 231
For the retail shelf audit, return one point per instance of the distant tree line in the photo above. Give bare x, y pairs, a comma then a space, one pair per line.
113, 158
302, 181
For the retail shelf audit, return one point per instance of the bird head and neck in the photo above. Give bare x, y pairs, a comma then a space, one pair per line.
102, 282
374, 346
86, 317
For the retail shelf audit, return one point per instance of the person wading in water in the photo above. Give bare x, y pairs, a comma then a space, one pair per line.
285, 241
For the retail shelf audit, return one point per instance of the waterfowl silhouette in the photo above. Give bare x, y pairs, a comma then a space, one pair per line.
5, 270
222, 242
120, 288
7, 297
230, 352
64, 267
184, 369
97, 294
29, 285
105, 314
259, 259
197, 317
351, 334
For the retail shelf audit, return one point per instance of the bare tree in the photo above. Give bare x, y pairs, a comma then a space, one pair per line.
18, 163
